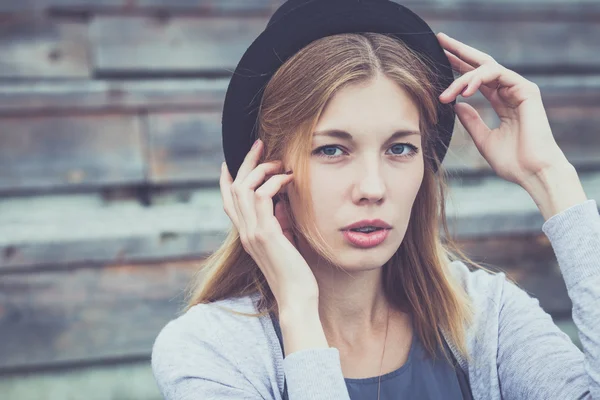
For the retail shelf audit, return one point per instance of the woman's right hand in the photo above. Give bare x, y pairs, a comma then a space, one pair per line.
264, 231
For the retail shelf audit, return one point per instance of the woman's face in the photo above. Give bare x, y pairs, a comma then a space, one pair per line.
372, 171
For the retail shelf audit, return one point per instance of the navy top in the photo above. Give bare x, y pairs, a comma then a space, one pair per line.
420, 377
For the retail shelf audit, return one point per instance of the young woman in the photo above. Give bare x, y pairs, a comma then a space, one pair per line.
334, 282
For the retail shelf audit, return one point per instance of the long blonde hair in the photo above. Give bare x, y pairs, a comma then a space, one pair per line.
417, 276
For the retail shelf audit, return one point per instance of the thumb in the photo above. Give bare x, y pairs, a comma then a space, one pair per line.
473, 123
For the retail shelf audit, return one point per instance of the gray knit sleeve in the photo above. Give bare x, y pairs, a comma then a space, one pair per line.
536, 360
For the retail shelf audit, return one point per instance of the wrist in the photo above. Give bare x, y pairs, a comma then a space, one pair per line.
299, 310
301, 328
555, 189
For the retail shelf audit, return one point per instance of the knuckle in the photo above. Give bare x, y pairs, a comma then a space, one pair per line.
534, 88
491, 60
245, 241
496, 69
261, 195
251, 237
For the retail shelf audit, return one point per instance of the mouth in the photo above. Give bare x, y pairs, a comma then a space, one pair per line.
367, 226
366, 237
367, 229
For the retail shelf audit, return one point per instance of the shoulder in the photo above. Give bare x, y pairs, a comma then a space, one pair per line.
216, 324
210, 340
496, 303
493, 296
480, 285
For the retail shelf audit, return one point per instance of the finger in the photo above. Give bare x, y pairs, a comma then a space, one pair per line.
259, 174
245, 196
491, 76
462, 67
457, 87
457, 64
469, 54
282, 215
225, 182
242, 200
473, 123
511, 88
250, 161
489, 91
264, 197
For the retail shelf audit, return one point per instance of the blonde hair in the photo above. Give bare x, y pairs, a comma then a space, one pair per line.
417, 275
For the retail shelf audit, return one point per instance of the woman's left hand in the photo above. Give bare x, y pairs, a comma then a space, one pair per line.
523, 146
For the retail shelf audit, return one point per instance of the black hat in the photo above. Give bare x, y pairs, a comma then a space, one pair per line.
297, 23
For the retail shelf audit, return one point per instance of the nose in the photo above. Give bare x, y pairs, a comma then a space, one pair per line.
370, 183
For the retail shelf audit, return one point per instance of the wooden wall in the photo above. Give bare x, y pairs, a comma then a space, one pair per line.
110, 150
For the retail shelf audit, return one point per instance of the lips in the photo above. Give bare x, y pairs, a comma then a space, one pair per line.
366, 223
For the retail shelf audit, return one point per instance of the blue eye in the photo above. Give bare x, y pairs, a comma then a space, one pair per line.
329, 151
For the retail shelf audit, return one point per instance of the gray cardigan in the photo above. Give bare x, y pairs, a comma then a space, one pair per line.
517, 351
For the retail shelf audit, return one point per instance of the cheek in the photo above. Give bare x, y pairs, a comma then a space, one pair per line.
327, 192
404, 191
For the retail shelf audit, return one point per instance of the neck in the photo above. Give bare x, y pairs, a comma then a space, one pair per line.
351, 305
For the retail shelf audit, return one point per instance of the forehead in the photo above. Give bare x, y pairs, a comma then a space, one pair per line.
370, 108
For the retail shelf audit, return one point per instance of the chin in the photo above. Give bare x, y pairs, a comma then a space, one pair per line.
357, 259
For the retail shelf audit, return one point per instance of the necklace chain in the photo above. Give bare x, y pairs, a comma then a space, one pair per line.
387, 325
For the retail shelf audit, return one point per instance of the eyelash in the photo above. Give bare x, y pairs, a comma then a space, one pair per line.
414, 150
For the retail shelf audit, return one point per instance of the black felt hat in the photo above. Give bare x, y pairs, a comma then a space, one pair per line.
295, 24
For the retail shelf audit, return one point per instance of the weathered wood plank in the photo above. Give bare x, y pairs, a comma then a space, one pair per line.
131, 380
27, 97
40, 6
185, 147
37, 232
51, 151
100, 6
512, 9
504, 9
181, 45
490, 206
36, 97
87, 314
219, 6
209, 45
529, 45
33, 47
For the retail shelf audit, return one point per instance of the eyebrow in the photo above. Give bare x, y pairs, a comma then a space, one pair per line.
346, 136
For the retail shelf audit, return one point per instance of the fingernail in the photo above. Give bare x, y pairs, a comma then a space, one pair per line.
255, 143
